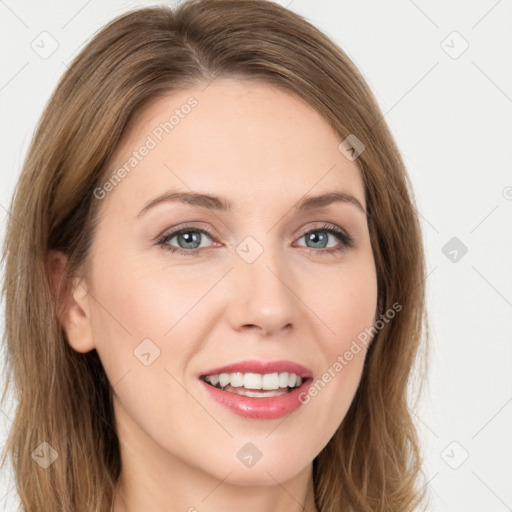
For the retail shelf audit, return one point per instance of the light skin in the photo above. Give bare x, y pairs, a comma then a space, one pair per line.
264, 150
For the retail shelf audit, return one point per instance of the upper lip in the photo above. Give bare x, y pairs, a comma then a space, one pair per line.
256, 366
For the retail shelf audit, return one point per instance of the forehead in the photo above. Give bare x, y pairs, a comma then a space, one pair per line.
238, 138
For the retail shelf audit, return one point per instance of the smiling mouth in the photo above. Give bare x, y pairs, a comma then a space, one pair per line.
255, 385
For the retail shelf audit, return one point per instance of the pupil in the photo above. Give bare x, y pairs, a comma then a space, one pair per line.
314, 237
190, 237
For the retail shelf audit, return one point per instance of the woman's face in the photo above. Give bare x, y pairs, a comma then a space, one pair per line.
263, 280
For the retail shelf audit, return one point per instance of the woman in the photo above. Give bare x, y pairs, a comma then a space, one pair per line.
214, 276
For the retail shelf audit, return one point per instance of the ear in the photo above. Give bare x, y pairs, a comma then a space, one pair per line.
71, 302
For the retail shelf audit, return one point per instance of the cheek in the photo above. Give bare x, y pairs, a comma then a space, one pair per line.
143, 335
347, 305
146, 331
348, 302
352, 317
141, 302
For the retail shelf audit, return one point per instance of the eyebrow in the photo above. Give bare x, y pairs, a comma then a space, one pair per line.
222, 204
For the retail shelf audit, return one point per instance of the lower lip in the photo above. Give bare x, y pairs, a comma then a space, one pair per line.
259, 408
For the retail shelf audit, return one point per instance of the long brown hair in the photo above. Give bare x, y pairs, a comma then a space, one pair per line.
373, 461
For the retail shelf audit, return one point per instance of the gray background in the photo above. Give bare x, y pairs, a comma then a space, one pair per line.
450, 109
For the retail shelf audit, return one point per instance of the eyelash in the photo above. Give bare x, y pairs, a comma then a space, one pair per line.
347, 241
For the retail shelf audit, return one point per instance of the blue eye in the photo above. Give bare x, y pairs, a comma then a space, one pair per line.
189, 237
190, 240
321, 241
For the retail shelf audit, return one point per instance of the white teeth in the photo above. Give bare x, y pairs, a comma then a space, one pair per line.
223, 379
267, 381
283, 379
252, 381
270, 381
237, 379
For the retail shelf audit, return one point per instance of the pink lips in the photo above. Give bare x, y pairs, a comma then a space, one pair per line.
260, 408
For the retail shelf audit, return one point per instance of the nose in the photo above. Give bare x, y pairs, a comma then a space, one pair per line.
262, 295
